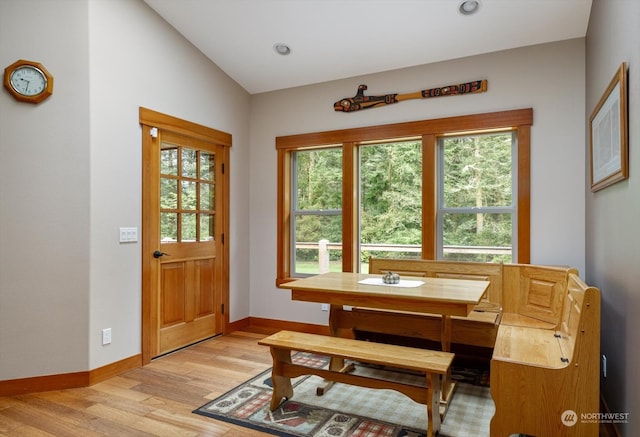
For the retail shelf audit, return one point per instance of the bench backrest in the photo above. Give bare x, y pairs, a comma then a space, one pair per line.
532, 291
579, 330
491, 272
535, 291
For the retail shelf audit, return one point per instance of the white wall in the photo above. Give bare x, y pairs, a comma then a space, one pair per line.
549, 78
612, 236
44, 194
71, 176
136, 60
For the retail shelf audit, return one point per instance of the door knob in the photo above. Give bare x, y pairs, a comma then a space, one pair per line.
158, 254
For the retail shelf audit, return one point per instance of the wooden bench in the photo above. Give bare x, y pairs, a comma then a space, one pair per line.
434, 364
541, 376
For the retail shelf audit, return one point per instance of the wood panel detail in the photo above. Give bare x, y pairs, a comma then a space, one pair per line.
205, 274
542, 294
172, 294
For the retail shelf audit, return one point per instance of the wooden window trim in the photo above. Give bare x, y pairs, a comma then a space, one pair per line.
465, 123
519, 120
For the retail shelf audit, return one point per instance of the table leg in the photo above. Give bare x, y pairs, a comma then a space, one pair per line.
445, 338
334, 331
335, 363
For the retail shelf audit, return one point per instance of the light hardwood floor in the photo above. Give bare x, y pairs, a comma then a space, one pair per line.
155, 400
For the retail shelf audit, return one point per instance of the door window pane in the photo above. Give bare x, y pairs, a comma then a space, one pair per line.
206, 196
188, 198
168, 193
390, 201
168, 227
169, 160
207, 166
188, 227
207, 227
189, 163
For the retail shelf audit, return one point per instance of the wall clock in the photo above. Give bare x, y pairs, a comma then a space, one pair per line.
28, 81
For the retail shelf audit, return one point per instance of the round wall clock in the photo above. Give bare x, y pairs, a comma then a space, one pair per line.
28, 81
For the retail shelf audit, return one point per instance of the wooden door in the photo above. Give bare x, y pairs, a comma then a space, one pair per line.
185, 204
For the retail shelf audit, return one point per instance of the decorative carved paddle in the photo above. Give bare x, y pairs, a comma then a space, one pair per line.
360, 101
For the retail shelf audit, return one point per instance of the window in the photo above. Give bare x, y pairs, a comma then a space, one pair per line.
476, 213
390, 201
316, 210
452, 188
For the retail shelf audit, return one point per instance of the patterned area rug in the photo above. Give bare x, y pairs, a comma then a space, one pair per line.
350, 411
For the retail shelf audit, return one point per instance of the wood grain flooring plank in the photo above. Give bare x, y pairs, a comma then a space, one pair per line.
38, 421
154, 400
141, 423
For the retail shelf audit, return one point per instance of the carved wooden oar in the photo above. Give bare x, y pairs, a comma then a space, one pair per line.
360, 101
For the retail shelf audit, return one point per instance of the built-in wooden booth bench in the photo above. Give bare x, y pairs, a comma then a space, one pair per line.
433, 364
545, 379
543, 323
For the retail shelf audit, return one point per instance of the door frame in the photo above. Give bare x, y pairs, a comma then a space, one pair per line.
149, 120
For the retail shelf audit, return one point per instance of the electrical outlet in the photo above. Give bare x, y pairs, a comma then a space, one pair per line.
325, 307
106, 336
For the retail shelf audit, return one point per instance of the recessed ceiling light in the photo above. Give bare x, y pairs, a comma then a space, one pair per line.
469, 7
282, 49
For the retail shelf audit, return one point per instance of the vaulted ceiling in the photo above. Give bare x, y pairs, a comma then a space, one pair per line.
334, 39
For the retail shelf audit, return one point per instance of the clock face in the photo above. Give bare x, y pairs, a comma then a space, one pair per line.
28, 80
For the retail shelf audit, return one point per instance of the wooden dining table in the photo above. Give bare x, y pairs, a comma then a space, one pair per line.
445, 296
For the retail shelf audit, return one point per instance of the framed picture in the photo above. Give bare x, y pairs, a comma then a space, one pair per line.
608, 134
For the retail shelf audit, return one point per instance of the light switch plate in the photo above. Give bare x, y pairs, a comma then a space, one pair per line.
128, 235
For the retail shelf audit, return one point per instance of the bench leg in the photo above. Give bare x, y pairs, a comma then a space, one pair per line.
433, 404
282, 387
